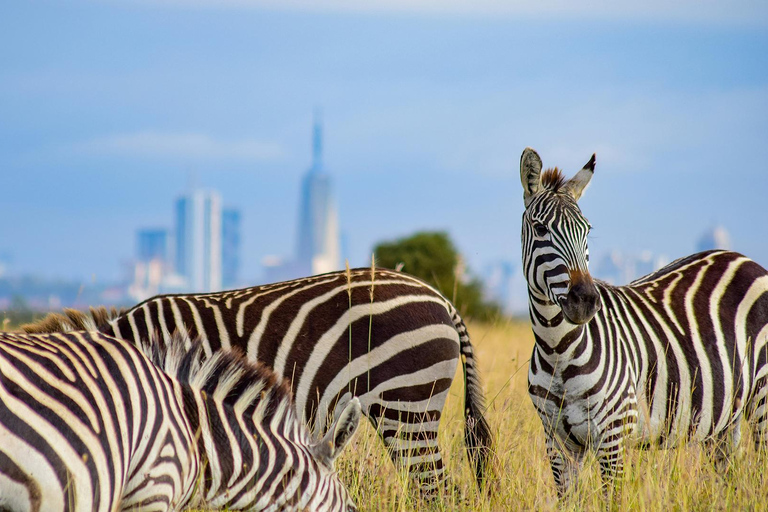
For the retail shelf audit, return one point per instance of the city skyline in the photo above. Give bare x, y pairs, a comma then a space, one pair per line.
424, 132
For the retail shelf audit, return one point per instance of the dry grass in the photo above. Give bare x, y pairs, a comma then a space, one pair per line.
656, 479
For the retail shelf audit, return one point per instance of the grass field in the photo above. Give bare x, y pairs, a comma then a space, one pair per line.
682, 478
656, 479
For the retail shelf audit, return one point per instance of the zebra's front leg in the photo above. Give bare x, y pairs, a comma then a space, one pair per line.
566, 465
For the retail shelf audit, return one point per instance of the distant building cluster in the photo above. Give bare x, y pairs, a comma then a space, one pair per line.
620, 268
202, 253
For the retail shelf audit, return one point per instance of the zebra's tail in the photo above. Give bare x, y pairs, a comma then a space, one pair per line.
477, 433
73, 320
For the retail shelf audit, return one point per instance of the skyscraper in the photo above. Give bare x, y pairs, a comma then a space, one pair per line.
230, 247
318, 243
198, 240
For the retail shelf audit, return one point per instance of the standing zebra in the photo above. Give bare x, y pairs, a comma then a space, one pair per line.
382, 336
88, 422
680, 353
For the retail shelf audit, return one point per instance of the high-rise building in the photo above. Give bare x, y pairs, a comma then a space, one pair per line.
198, 240
230, 247
152, 244
318, 243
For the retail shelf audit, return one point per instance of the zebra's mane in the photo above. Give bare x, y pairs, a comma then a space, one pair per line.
74, 320
553, 180
227, 375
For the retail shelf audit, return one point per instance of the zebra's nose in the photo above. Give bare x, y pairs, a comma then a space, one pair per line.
582, 301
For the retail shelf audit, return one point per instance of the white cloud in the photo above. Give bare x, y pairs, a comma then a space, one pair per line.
754, 12
194, 146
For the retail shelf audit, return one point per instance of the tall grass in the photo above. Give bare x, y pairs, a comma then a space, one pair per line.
656, 479
681, 478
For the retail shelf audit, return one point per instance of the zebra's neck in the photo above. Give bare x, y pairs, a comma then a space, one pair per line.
234, 451
555, 336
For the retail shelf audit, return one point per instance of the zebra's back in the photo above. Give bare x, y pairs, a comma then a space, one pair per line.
700, 327
81, 430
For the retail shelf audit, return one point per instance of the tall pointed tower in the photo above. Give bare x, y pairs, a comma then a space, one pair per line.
318, 244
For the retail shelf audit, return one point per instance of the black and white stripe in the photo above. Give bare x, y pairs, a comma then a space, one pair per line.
379, 335
88, 422
678, 354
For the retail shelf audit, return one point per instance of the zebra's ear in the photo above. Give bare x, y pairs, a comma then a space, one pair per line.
576, 185
530, 174
339, 434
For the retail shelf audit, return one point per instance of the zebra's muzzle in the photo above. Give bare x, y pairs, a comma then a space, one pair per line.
582, 301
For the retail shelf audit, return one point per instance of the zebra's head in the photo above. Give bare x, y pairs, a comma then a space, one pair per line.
554, 239
250, 432
331, 493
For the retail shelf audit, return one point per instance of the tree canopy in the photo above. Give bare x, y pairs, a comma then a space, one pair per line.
432, 256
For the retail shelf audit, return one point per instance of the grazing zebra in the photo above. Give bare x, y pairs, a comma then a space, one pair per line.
88, 422
382, 336
680, 353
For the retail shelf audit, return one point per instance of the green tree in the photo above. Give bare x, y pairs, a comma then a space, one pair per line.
432, 256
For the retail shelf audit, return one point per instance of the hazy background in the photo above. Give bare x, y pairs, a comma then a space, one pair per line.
109, 110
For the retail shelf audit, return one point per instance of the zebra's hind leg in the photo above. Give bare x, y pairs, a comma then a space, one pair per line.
758, 413
411, 441
723, 446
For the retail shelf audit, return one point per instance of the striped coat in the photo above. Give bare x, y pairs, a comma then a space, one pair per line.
678, 354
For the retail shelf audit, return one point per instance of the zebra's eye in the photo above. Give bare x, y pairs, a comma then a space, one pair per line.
540, 230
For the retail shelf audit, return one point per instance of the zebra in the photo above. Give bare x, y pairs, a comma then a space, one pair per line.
380, 335
678, 354
90, 422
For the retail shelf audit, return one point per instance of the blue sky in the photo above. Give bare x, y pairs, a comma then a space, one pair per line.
109, 110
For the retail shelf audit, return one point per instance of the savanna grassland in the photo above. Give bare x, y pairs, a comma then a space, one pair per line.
682, 478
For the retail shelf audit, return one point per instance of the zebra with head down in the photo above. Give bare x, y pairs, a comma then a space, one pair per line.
90, 422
